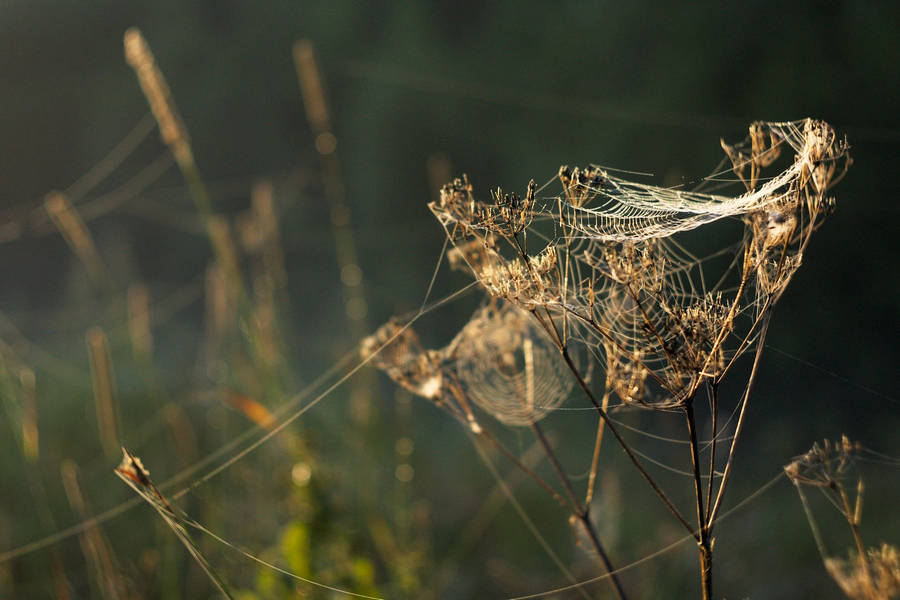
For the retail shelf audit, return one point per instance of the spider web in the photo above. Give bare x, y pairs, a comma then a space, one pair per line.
614, 275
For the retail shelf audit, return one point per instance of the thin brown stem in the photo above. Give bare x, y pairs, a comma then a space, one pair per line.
578, 510
695, 463
853, 516
741, 421
634, 459
714, 409
595, 459
489, 437
705, 541
581, 513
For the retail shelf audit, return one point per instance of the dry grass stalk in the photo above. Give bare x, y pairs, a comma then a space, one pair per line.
70, 224
174, 135
226, 254
259, 235
30, 435
317, 112
132, 472
94, 544
221, 310
17, 394
104, 390
264, 218
311, 87
139, 330
153, 84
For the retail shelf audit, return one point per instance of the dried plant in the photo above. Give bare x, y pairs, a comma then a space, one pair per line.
612, 278
132, 472
872, 574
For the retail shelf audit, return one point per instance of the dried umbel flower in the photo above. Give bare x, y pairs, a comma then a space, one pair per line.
460, 213
396, 350
820, 161
873, 577
474, 256
463, 216
516, 212
692, 336
867, 575
531, 283
825, 465
581, 186
765, 148
626, 374
639, 265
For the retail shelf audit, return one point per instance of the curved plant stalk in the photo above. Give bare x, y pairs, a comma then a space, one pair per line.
132, 472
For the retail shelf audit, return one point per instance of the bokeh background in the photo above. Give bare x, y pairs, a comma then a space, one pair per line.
417, 92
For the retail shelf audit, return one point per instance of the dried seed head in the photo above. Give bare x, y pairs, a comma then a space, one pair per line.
693, 333
132, 468
516, 213
825, 465
581, 186
396, 350
627, 374
139, 56
537, 284
873, 577
765, 148
629, 264
475, 255
459, 212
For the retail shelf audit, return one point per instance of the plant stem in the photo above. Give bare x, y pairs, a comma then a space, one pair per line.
581, 513
714, 409
705, 541
595, 459
612, 428
489, 437
741, 421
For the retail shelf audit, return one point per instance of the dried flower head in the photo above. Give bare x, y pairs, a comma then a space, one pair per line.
581, 186
395, 349
132, 472
826, 465
873, 577
626, 374
692, 335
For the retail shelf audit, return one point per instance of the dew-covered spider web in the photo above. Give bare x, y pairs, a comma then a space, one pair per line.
607, 269
612, 271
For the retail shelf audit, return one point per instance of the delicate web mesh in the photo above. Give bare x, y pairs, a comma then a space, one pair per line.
612, 272
510, 366
624, 211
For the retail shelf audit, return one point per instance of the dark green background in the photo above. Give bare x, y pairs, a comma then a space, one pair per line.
507, 91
